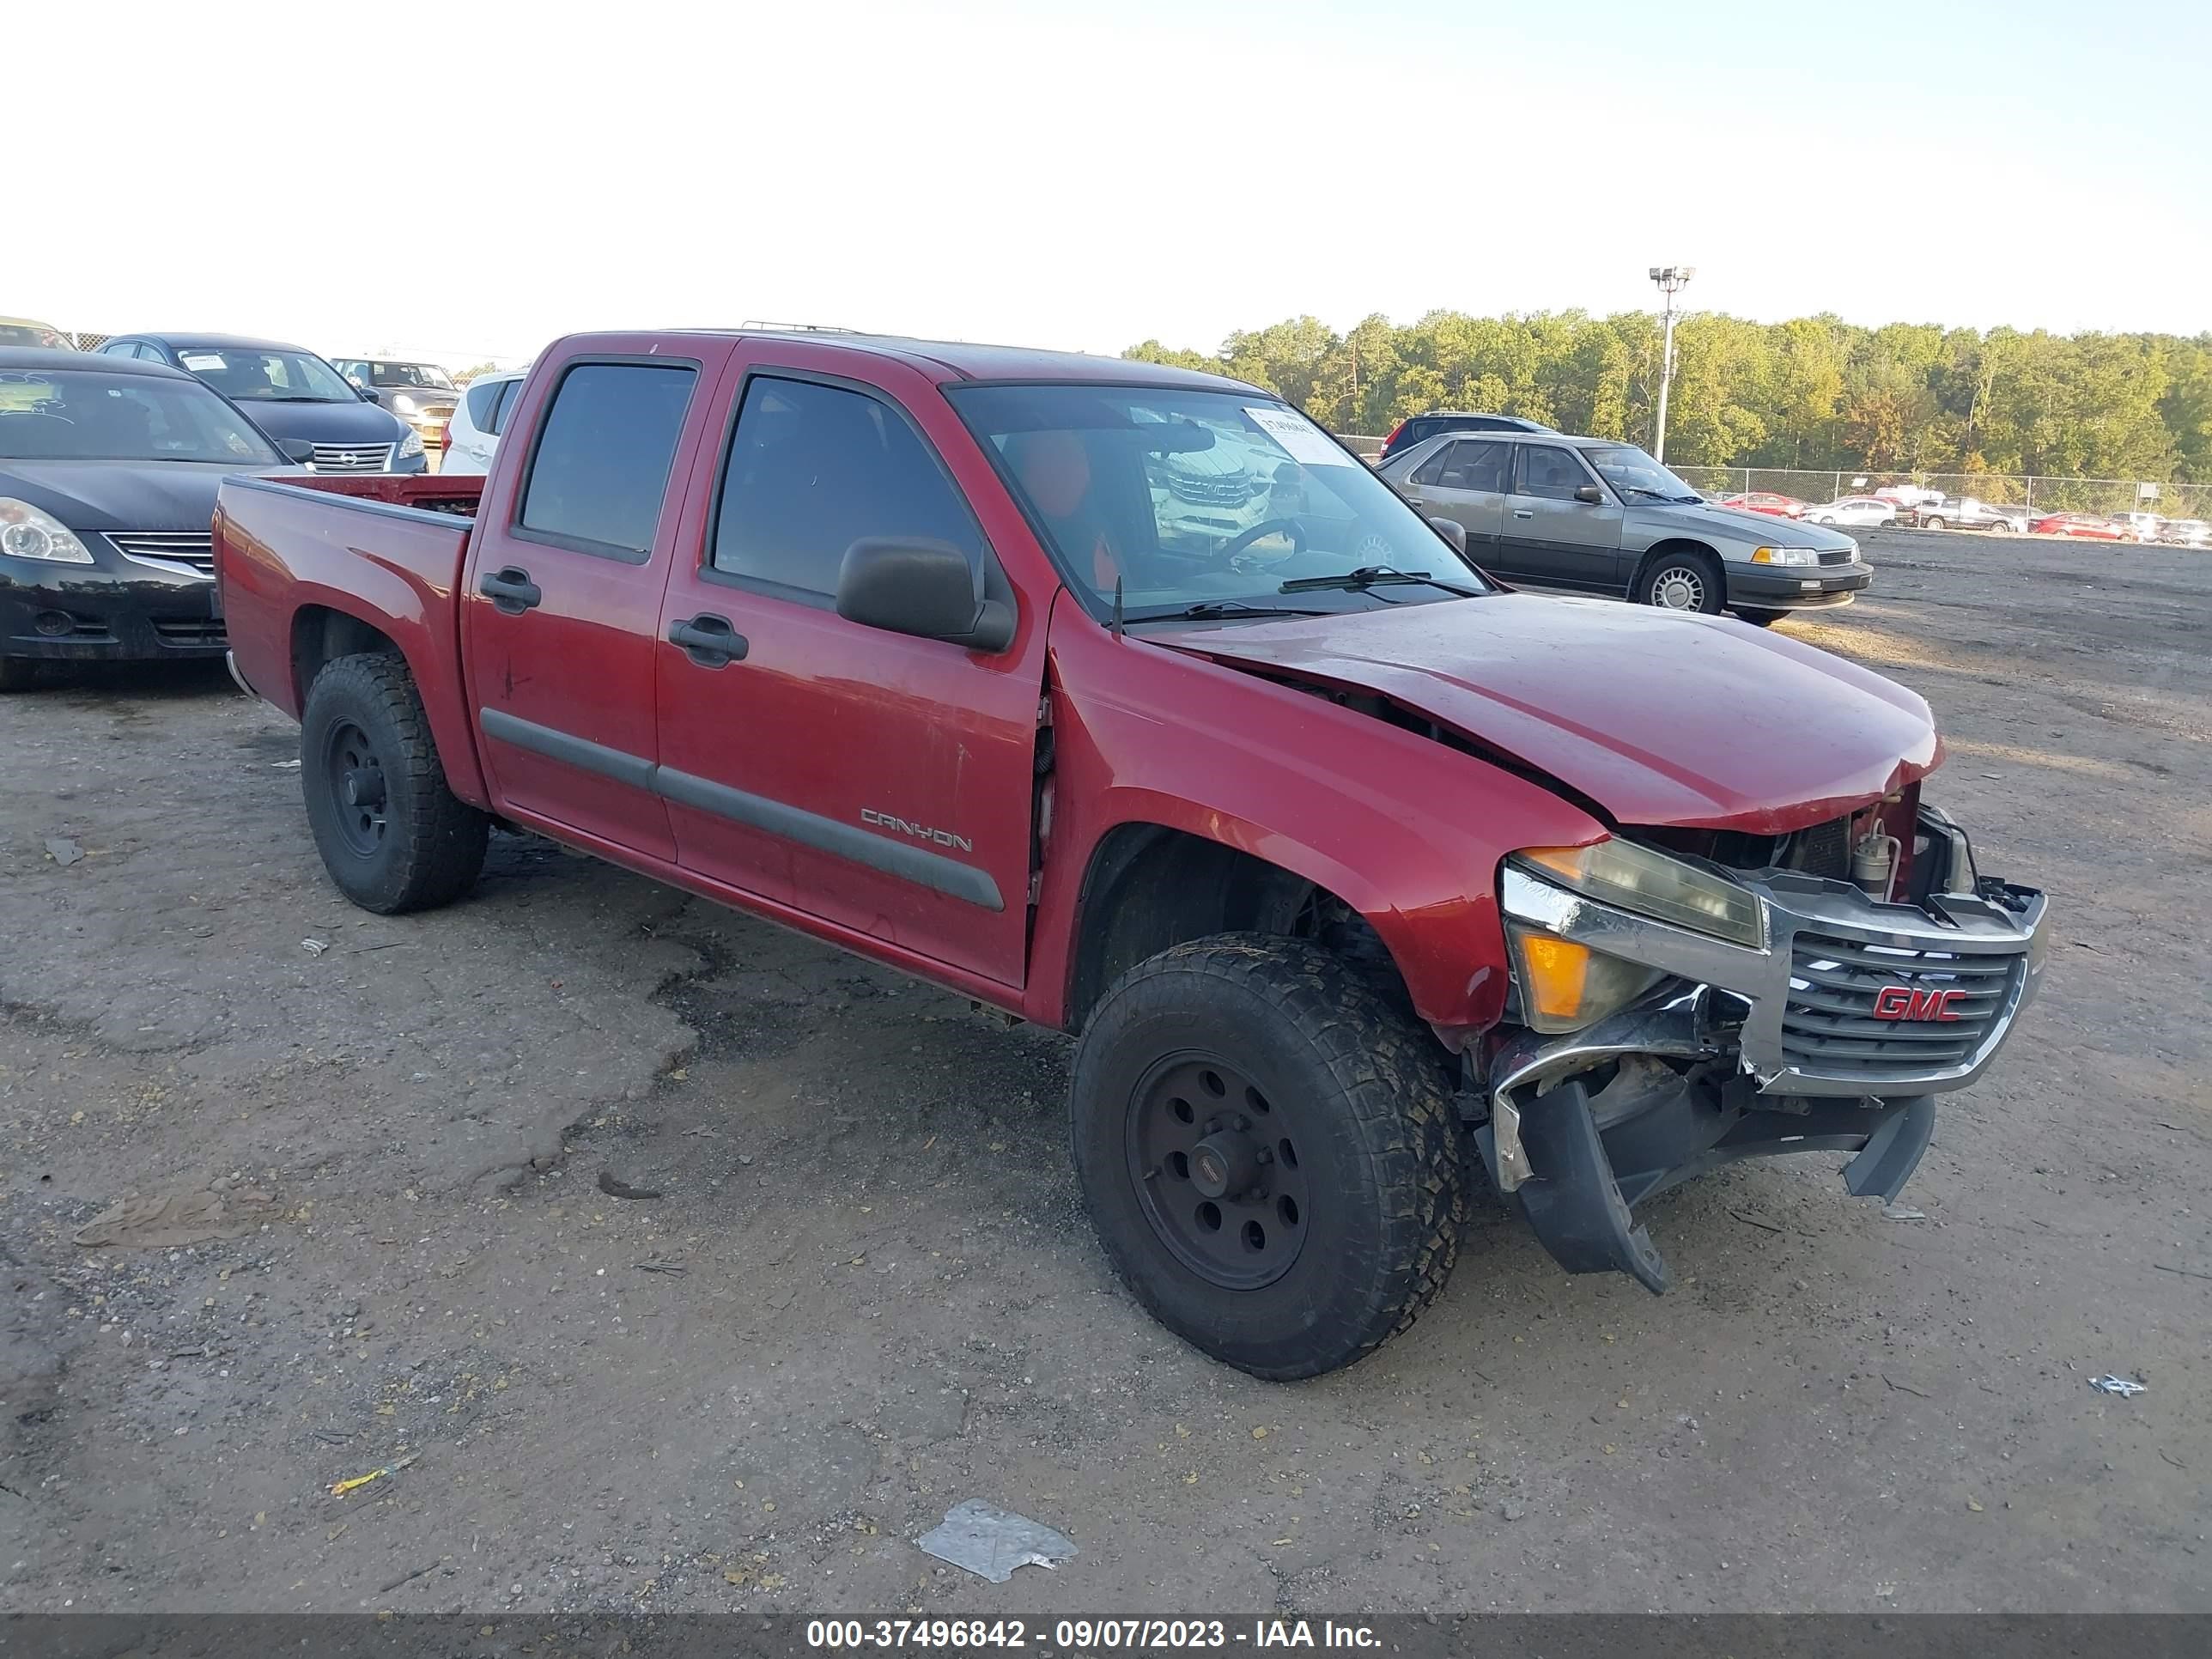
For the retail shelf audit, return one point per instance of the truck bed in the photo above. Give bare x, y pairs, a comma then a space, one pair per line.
313, 566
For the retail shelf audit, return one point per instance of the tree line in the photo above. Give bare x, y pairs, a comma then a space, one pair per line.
1814, 392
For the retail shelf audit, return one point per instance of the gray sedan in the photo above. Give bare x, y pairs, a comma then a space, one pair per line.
1603, 517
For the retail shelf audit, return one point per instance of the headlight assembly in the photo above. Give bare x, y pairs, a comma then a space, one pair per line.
1633, 877
27, 533
1566, 986
1785, 555
410, 444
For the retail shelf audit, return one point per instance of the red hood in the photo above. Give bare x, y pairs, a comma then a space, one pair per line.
1662, 719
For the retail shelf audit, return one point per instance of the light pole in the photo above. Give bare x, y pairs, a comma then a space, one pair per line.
1670, 279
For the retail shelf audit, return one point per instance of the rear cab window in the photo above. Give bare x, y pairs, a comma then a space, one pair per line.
599, 475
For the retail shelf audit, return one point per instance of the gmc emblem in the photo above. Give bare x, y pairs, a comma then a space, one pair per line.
1905, 1002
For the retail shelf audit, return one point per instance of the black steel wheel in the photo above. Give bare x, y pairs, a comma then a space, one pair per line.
354, 773
393, 835
1268, 1151
1217, 1172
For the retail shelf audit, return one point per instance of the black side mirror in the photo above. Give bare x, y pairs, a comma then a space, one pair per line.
298, 451
1590, 495
365, 394
1453, 531
925, 589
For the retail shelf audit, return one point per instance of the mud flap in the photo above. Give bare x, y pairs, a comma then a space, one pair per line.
1893, 1150
1574, 1204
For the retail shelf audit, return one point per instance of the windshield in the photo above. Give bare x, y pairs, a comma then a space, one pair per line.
1635, 476
1200, 498
257, 376
81, 415
428, 376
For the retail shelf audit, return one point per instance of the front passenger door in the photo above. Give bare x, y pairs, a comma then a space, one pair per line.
1553, 537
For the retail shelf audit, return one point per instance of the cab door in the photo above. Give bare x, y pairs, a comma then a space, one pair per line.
1553, 535
881, 783
561, 609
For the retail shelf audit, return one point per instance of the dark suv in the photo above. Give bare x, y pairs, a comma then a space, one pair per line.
1418, 428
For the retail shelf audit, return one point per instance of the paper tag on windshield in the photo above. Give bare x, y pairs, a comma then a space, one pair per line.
199, 360
1307, 444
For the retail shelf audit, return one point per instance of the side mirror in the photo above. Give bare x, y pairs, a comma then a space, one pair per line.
1590, 495
924, 588
1453, 531
363, 392
298, 451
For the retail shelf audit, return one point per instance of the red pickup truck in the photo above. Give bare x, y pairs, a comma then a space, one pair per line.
1127, 700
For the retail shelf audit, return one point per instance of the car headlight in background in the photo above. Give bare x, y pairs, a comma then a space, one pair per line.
402, 404
1620, 873
27, 533
412, 445
1786, 556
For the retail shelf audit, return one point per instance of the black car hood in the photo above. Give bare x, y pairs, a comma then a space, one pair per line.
350, 423
105, 496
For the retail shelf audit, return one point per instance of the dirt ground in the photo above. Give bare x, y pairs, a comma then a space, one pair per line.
866, 1290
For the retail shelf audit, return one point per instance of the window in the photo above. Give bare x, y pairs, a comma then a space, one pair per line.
502, 405
1552, 474
603, 453
815, 468
1432, 471
1475, 465
481, 400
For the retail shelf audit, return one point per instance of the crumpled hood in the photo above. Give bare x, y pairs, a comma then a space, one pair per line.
1662, 719
1734, 522
177, 496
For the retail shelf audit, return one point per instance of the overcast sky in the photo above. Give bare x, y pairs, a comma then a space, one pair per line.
470, 180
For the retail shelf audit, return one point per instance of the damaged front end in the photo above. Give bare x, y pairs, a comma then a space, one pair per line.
1678, 1008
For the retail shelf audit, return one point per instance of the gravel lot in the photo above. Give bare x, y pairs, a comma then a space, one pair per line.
867, 1289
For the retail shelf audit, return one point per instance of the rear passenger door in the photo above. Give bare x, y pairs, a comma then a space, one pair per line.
1550, 535
879, 783
562, 608
1465, 482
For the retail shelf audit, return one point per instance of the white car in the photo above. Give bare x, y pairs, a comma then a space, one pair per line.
478, 419
1853, 509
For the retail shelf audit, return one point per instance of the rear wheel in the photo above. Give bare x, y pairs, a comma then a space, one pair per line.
1687, 580
393, 836
1931, 523
1269, 1153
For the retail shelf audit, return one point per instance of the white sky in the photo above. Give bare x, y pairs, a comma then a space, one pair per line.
469, 181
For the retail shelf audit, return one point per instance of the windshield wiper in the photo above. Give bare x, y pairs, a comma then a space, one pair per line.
1207, 608
1375, 575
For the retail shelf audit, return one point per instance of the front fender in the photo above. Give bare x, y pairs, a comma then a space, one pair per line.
1406, 830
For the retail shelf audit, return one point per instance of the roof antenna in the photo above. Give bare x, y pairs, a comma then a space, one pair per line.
1117, 605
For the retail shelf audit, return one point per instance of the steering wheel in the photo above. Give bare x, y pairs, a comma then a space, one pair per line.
1242, 543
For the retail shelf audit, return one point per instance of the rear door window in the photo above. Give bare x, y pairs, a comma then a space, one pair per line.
813, 469
481, 400
1477, 465
604, 449
501, 403
1550, 474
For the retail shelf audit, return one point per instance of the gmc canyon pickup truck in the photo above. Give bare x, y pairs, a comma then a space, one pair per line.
1343, 865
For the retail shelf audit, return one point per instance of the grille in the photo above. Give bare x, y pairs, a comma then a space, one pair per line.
1835, 555
353, 458
190, 630
177, 549
1828, 1025
1233, 490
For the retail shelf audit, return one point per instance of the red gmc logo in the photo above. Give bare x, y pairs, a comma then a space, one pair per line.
1904, 1002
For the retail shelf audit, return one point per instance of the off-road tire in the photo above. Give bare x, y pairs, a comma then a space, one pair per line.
432, 846
1364, 1085
1712, 579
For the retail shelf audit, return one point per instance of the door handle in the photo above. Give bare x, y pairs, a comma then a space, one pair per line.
511, 591
1524, 512
709, 640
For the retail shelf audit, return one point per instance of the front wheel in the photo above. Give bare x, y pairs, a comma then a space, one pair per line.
1689, 580
1269, 1153
1759, 618
393, 836
18, 674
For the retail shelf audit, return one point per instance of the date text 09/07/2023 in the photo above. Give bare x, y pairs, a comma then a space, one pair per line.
1085, 1635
